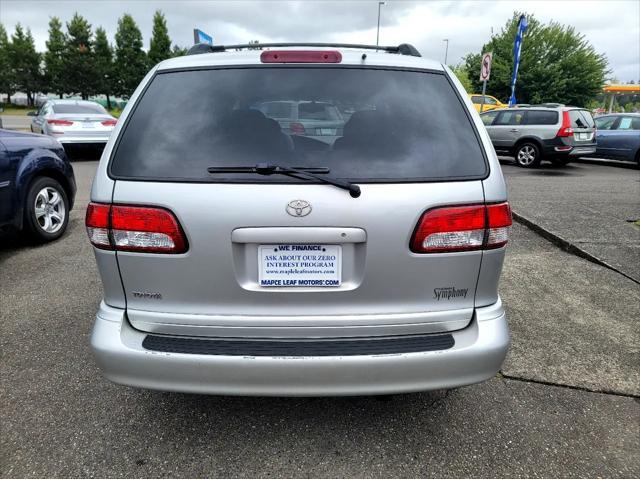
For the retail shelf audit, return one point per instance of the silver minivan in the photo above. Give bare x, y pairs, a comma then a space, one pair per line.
239, 259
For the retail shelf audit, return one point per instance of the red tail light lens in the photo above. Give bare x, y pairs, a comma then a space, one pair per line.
565, 130
499, 218
134, 228
109, 122
297, 128
300, 56
53, 121
462, 228
97, 223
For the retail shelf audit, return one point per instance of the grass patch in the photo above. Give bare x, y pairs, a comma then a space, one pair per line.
115, 112
16, 110
637, 222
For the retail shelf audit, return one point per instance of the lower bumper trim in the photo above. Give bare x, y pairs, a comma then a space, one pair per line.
331, 347
476, 355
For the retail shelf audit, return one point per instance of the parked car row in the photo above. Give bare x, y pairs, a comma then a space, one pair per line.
37, 185
559, 133
619, 137
532, 134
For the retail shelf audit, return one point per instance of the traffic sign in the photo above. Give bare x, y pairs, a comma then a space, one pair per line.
485, 68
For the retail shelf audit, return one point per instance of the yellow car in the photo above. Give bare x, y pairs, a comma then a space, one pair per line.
490, 102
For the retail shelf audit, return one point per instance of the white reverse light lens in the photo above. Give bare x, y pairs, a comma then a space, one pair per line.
98, 236
454, 239
142, 239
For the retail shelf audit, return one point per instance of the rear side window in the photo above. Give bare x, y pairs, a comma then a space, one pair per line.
487, 100
539, 117
581, 119
509, 118
629, 123
487, 118
71, 108
377, 125
605, 123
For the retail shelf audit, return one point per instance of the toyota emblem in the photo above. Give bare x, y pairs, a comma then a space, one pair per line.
298, 208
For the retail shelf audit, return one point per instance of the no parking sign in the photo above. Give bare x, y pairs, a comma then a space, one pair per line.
485, 68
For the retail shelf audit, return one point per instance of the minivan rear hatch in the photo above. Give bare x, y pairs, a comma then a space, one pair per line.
286, 255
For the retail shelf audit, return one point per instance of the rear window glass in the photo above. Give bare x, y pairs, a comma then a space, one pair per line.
362, 124
91, 109
581, 119
276, 109
538, 117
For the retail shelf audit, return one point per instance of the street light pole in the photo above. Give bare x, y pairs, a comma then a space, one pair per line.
446, 52
378, 31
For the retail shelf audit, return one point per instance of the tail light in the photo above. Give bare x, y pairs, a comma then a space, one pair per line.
297, 128
109, 122
462, 228
300, 56
53, 121
142, 229
565, 129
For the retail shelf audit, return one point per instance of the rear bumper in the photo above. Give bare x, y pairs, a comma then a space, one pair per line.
561, 147
477, 355
79, 140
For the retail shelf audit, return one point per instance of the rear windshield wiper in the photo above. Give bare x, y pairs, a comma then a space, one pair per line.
268, 169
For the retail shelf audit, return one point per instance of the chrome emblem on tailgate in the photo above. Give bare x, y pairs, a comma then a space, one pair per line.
299, 208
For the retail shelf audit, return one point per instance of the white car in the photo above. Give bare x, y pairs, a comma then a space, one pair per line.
74, 122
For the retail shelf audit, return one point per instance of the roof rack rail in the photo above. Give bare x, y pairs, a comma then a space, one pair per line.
403, 49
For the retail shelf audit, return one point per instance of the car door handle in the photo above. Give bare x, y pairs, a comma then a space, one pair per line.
514, 130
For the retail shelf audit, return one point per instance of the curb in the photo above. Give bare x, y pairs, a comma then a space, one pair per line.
605, 162
566, 245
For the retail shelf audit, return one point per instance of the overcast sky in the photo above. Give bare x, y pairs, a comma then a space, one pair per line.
613, 27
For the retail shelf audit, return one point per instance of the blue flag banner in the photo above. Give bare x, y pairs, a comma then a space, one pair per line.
517, 46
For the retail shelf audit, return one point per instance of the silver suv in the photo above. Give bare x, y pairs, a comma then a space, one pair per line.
239, 259
556, 133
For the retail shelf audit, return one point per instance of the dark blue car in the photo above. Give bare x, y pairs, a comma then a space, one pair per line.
618, 137
37, 185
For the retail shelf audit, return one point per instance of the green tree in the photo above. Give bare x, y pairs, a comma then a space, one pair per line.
557, 64
103, 58
7, 83
54, 58
461, 72
131, 61
24, 62
160, 44
177, 51
80, 74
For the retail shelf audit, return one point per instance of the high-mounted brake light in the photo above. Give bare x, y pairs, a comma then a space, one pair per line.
109, 122
53, 121
565, 130
300, 56
141, 229
462, 228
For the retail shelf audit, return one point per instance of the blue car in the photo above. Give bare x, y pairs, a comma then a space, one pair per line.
618, 137
37, 185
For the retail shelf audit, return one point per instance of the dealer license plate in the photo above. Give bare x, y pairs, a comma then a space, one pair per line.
300, 265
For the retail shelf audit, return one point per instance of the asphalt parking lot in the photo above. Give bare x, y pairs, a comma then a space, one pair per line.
566, 403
